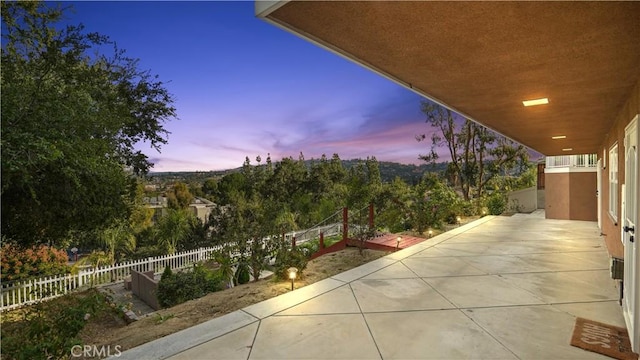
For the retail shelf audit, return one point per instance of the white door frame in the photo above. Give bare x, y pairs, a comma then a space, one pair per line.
599, 193
631, 217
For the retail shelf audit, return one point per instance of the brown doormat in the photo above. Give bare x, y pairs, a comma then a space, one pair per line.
604, 339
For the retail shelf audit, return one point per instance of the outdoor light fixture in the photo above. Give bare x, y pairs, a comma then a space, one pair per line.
292, 275
535, 102
430, 233
567, 149
458, 218
398, 242
559, 137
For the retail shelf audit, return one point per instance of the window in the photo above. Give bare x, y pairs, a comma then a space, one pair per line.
613, 182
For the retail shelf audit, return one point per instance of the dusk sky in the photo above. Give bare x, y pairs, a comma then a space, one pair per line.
244, 87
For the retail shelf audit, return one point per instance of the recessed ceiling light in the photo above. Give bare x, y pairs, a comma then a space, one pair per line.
567, 149
535, 102
559, 137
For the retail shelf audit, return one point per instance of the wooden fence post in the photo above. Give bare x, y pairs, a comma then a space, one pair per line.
345, 223
371, 216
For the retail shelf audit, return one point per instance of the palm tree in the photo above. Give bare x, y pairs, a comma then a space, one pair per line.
118, 239
174, 228
95, 260
226, 266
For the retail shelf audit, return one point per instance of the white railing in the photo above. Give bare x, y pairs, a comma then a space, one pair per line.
582, 161
19, 293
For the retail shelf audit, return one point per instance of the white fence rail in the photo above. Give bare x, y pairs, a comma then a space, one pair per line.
19, 293
584, 160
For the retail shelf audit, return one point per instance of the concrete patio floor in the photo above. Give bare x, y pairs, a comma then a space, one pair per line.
497, 288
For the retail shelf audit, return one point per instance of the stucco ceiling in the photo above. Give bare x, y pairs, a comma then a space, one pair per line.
483, 59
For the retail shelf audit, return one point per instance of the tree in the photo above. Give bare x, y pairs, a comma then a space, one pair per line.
433, 203
71, 117
229, 184
209, 188
197, 236
246, 225
174, 228
477, 153
363, 183
141, 218
179, 197
392, 210
119, 240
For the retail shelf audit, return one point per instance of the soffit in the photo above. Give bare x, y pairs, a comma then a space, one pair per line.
482, 59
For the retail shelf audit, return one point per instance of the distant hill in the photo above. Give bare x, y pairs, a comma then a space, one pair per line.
410, 173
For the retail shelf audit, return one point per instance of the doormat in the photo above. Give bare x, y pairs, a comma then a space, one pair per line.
604, 339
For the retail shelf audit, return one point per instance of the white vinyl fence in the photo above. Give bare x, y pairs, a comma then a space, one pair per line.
19, 293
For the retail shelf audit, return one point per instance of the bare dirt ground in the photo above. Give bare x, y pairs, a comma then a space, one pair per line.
111, 330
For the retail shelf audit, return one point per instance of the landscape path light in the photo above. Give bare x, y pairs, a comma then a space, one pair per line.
398, 242
459, 220
292, 275
430, 233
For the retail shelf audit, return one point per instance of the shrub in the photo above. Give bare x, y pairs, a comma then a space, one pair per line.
451, 218
434, 203
310, 247
496, 203
287, 258
167, 273
19, 263
50, 329
242, 274
144, 252
183, 286
469, 208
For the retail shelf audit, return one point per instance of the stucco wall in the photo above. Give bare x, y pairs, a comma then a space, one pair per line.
583, 199
541, 199
144, 286
610, 229
525, 200
556, 199
571, 196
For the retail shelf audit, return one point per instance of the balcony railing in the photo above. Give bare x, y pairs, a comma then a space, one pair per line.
580, 161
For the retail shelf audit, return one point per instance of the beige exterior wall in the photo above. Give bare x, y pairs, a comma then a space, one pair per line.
610, 228
200, 211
